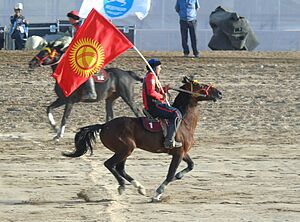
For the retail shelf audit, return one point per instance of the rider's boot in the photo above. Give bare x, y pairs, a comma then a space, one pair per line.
90, 94
170, 141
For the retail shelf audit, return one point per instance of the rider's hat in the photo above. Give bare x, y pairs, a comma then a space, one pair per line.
153, 63
74, 15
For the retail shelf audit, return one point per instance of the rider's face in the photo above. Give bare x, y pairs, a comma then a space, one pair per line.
72, 21
158, 69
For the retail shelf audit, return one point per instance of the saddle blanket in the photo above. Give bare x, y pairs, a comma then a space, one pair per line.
154, 125
101, 76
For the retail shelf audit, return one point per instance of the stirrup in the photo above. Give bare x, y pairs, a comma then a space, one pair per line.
172, 144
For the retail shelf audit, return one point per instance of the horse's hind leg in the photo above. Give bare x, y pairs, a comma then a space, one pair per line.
57, 103
111, 164
121, 169
176, 159
190, 166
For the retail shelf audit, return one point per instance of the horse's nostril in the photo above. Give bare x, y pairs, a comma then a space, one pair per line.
219, 95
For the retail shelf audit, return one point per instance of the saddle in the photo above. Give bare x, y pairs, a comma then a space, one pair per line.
101, 76
154, 125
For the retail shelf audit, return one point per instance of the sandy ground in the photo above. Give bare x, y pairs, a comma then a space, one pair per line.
246, 155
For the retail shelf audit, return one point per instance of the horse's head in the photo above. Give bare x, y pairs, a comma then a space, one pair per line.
200, 91
50, 54
47, 56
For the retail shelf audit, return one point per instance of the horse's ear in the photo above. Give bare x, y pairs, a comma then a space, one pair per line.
188, 79
185, 79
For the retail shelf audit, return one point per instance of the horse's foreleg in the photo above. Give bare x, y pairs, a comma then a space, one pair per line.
67, 112
57, 103
172, 170
121, 169
190, 166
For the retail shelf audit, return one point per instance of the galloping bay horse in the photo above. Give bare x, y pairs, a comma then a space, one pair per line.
122, 135
119, 83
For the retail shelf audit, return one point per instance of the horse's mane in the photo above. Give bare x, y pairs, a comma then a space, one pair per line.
182, 102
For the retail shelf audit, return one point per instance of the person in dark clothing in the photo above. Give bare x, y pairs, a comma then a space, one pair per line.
19, 27
187, 10
89, 85
155, 104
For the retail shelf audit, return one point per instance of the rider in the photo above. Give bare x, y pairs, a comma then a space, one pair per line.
74, 20
89, 85
155, 103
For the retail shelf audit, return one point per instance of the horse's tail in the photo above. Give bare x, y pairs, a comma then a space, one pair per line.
84, 139
135, 76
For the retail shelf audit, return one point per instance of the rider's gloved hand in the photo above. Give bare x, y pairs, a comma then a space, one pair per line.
165, 96
166, 88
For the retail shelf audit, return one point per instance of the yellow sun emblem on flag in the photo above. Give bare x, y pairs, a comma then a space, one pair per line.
86, 57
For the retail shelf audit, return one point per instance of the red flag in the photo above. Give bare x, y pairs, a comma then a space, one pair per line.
95, 44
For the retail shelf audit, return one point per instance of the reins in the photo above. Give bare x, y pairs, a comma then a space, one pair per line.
188, 92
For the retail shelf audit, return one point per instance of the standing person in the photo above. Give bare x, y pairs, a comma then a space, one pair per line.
187, 10
155, 104
90, 91
19, 27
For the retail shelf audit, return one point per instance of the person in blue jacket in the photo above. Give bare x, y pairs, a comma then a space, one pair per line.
187, 10
19, 27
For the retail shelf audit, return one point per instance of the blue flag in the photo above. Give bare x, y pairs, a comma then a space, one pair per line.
116, 9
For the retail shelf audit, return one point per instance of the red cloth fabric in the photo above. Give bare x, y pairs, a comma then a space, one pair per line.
151, 91
96, 43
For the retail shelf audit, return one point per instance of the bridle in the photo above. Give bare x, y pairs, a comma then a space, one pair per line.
193, 93
51, 55
197, 94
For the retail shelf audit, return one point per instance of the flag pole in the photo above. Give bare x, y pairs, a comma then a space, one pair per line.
157, 80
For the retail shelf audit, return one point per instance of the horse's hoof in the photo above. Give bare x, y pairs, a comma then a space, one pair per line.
142, 191
179, 175
56, 138
121, 189
141, 188
156, 198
